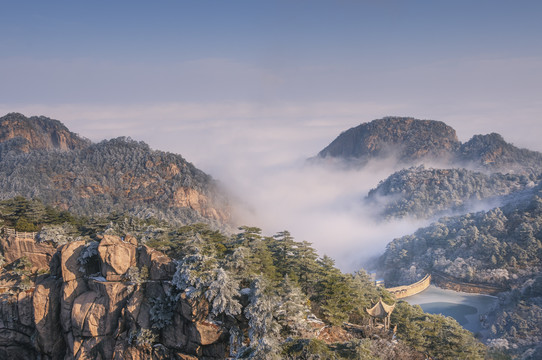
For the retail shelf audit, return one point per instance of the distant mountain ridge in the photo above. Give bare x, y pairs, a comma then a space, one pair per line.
41, 158
412, 141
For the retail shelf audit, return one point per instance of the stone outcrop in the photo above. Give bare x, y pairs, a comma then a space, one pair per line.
71, 314
190, 198
116, 257
46, 307
39, 254
39, 133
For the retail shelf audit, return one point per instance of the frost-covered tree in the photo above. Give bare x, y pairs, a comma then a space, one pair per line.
222, 293
195, 271
58, 234
263, 329
292, 310
238, 261
161, 311
259, 259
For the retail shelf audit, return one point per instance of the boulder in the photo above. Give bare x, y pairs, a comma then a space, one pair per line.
161, 267
214, 351
137, 311
70, 291
193, 309
69, 255
46, 306
116, 256
173, 335
16, 337
25, 308
208, 333
114, 296
39, 254
87, 315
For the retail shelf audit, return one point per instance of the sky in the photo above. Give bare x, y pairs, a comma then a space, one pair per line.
247, 90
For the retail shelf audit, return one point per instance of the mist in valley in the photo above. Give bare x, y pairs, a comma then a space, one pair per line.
260, 156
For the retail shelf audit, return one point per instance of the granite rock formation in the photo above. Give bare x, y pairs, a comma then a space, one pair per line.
73, 314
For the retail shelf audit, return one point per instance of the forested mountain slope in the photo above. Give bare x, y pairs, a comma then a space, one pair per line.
501, 247
421, 192
491, 152
487, 194
126, 288
119, 175
466, 176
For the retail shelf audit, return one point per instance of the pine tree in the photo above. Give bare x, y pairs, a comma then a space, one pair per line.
258, 259
222, 293
195, 271
263, 329
306, 266
292, 310
283, 248
335, 294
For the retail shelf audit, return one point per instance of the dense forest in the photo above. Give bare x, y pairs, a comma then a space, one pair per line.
118, 175
425, 193
267, 291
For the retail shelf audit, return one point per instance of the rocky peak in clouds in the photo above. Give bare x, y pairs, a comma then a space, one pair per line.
38, 133
413, 141
493, 152
407, 138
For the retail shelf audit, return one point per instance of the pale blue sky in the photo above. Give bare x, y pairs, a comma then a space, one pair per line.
247, 90
141, 51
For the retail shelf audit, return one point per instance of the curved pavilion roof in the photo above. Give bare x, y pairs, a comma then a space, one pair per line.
380, 310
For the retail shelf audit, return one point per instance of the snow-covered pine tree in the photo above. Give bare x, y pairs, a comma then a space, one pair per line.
292, 310
195, 271
221, 294
263, 329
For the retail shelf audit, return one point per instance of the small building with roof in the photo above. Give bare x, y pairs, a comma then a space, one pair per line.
381, 312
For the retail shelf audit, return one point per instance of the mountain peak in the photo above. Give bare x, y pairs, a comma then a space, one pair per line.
409, 138
493, 151
39, 133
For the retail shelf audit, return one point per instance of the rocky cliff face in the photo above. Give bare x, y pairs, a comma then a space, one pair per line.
119, 175
39, 133
97, 309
